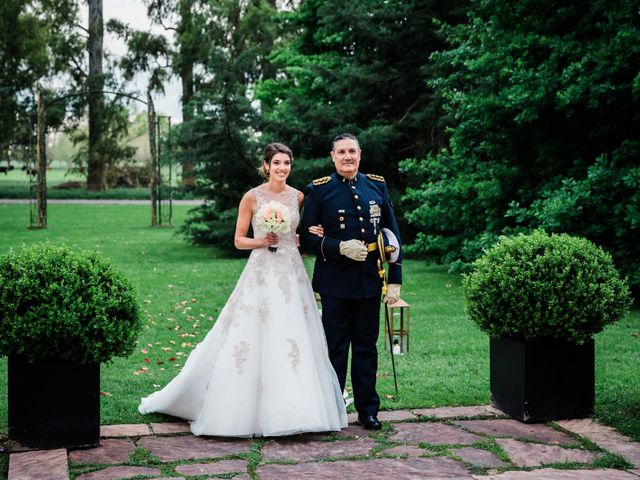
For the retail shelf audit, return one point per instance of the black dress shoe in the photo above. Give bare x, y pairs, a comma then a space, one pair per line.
370, 422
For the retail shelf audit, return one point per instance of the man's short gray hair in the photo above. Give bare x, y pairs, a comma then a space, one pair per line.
343, 136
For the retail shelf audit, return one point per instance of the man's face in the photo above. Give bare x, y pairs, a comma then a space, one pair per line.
346, 157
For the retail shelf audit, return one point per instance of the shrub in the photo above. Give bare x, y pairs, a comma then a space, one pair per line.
56, 303
539, 285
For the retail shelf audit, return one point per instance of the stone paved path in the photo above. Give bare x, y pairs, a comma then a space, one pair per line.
474, 443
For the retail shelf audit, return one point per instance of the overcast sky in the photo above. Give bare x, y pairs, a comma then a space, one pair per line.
134, 13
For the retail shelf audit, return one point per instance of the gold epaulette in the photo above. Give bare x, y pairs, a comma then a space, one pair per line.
321, 180
377, 178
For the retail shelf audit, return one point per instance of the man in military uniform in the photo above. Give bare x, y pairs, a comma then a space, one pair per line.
352, 208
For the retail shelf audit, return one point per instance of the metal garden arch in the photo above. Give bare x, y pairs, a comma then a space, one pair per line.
159, 195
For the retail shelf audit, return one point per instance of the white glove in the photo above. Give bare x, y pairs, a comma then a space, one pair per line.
354, 249
393, 294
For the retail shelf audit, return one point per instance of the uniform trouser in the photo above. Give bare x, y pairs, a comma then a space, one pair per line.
355, 322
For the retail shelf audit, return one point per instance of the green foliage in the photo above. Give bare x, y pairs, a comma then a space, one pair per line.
56, 303
603, 205
540, 285
144, 49
358, 66
36, 41
219, 133
112, 146
545, 101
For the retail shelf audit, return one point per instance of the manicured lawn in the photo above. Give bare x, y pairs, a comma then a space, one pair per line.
183, 287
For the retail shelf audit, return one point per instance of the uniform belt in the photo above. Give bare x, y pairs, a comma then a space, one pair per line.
372, 247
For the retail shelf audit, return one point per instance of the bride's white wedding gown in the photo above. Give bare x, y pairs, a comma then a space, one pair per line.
263, 369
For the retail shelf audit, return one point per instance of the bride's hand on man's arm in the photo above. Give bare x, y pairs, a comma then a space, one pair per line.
317, 230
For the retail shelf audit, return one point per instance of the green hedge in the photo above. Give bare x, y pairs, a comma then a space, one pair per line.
541, 285
56, 303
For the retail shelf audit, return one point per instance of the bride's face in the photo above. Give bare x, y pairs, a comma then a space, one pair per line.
280, 167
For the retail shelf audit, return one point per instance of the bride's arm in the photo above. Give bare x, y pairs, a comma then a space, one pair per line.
300, 201
245, 212
317, 230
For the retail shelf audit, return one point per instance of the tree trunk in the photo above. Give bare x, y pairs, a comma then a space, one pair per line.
41, 166
96, 164
153, 177
186, 76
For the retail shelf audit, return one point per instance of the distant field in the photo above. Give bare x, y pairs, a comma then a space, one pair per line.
15, 184
55, 176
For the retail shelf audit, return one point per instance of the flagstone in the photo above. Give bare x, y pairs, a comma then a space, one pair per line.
605, 437
223, 466
453, 412
170, 427
479, 457
189, 447
436, 468
118, 472
409, 450
352, 417
555, 474
308, 436
526, 454
36, 465
111, 450
396, 415
515, 428
413, 463
492, 410
136, 430
304, 451
432, 432
354, 430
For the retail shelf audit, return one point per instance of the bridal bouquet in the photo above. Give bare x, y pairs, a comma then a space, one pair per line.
274, 217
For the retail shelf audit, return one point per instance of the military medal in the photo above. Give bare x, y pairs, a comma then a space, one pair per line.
374, 214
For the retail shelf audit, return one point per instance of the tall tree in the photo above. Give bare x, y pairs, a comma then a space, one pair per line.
42, 41
358, 66
222, 133
546, 101
187, 52
96, 168
111, 147
37, 42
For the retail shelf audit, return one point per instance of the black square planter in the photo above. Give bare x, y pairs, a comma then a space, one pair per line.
543, 379
53, 404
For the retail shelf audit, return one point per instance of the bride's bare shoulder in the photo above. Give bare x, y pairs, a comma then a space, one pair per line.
249, 198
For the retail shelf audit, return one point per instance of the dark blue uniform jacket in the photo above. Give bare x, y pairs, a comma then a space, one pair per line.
348, 209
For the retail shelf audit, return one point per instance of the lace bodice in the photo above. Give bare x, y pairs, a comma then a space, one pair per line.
289, 198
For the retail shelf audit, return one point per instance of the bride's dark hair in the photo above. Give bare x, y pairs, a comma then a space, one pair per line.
269, 151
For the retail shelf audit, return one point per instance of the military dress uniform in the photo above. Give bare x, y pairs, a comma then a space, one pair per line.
350, 290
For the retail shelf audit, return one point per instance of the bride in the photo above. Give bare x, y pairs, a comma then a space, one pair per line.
263, 369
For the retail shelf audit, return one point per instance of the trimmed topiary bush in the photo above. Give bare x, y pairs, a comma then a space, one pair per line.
539, 285
56, 303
